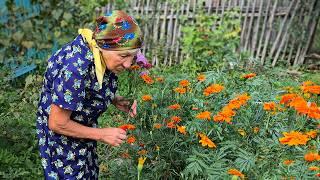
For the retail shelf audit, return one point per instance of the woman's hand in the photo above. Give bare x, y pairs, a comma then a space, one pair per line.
124, 105
112, 136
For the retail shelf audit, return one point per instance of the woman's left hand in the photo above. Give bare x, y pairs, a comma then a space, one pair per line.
124, 105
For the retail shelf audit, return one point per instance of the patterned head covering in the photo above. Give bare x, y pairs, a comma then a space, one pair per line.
117, 31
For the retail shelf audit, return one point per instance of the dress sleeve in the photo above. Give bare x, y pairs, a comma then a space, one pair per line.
69, 86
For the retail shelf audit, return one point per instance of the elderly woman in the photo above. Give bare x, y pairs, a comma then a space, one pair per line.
79, 84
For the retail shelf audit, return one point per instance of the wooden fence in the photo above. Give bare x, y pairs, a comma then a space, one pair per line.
273, 31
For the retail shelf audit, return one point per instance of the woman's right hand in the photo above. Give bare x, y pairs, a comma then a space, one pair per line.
112, 136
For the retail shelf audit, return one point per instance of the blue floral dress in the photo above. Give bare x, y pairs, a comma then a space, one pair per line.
70, 82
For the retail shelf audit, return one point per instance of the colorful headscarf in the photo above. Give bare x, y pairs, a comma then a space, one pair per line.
117, 31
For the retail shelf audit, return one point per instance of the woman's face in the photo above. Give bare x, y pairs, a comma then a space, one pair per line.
118, 61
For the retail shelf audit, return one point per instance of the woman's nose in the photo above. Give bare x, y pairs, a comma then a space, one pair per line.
127, 64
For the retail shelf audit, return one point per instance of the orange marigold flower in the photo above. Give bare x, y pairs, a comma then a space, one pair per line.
238, 101
159, 79
174, 107
269, 106
146, 98
288, 162
312, 133
182, 129
248, 76
176, 119
214, 88
180, 90
308, 83
235, 172
171, 125
205, 141
201, 78
127, 127
315, 89
147, 79
184, 83
157, 125
131, 139
287, 98
312, 157
294, 138
225, 115
314, 168
204, 115
135, 67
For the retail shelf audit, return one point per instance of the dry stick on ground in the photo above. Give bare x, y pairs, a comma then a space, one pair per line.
270, 25
312, 24
285, 33
250, 25
263, 29
256, 31
244, 25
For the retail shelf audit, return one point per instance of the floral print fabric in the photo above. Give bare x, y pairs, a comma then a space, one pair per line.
70, 82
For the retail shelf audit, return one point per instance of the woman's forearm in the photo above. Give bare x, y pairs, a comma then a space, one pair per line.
76, 130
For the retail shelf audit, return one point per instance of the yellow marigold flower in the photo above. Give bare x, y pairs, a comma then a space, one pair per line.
146, 98
242, 132
288, 162
214, 88
141, 161
270, 106
312, 157
184, 83
312, 133
205, 141
256, 130
201, 78
248, 76
103, 167
174, 107
204, 115
181, 129
180, 90
236, 172
294, 138
314, 168
147, 79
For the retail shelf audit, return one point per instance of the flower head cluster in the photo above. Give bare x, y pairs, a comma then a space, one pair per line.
228, 111
214, 88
